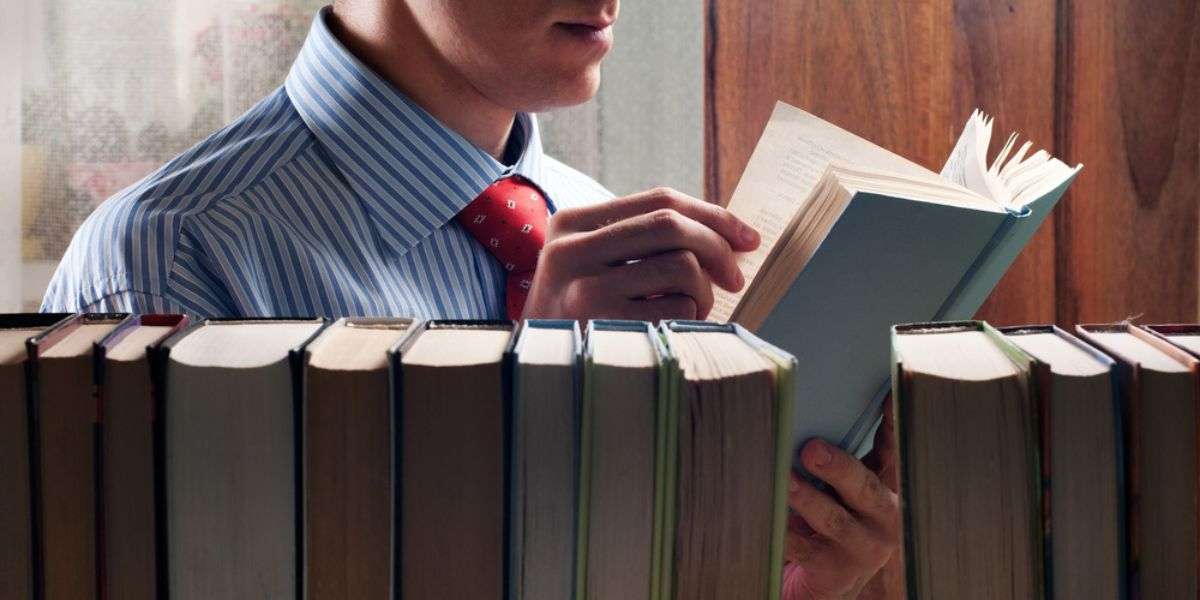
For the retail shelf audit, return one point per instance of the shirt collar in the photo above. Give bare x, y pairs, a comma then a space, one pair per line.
411, 172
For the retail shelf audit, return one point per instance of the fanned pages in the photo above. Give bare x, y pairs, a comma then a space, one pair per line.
727, 506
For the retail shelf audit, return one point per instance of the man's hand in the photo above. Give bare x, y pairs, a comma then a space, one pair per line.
848, 548
649, 256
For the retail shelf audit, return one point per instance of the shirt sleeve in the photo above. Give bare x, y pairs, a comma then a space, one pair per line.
125, 301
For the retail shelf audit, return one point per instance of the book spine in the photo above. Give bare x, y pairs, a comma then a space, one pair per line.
969, 293
997, 255
296, 360
507, 377
158, 358
585, 480
100, 540
577, 383
396, 384
35, 473
902, 416
670, 396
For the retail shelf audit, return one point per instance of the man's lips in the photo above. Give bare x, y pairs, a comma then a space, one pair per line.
598, 32
597, 23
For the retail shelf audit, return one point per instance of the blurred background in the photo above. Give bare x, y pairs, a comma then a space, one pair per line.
101, 92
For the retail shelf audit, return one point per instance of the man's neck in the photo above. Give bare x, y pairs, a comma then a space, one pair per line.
386, 38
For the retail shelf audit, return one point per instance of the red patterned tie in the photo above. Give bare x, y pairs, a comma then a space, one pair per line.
509, 219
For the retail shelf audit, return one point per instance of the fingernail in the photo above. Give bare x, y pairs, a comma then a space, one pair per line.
820, 454
748, 234
741, 279
793, 485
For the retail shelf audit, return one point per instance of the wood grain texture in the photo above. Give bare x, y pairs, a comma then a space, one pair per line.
1127, 232
862, 65
903, 74
1004, 62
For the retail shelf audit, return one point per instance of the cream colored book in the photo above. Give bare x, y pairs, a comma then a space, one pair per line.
229, 457
546, 384
347, 452
967, 430
453, 407
622, 486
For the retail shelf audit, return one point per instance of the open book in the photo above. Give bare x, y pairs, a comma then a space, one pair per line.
856, 239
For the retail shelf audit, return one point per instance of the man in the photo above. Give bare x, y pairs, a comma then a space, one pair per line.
399, 171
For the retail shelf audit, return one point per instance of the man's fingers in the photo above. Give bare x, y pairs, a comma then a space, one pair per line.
844, 532
739, 235
677, 272
662, 308
826, 516
857, 486
882, 458
807, 549
607, 297
654, 233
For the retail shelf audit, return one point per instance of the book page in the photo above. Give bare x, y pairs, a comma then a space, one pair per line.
792, 154
955, 169
967, 163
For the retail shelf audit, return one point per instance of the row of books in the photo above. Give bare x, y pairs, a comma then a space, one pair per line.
145, 456
1038, 464
148, 457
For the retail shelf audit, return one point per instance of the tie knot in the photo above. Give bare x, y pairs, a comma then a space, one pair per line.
509, 219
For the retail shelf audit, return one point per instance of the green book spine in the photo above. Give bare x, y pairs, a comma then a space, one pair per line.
662, 484
669, 371
785, 386
585, 478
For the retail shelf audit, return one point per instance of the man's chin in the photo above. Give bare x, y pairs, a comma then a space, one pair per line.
569, 92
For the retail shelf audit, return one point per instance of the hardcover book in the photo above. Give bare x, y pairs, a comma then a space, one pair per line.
729, 455
856, 238
348, 449
65, 432
546, 383
624, 478
17, 563
1082, 463
1161, 387
227, 429
126, 527
453, 422
968, 430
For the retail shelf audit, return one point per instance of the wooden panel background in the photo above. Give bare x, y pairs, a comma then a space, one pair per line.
1112, 84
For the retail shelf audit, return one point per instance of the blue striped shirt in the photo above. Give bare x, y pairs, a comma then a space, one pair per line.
333, 196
